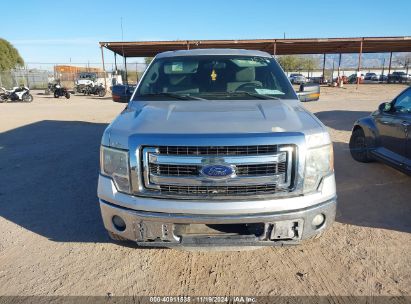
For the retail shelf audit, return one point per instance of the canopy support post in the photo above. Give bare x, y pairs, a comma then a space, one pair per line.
359, 64
104, 68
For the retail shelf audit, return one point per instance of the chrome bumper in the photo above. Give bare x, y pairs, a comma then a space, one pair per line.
159, 229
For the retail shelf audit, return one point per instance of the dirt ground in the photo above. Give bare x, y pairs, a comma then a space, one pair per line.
52, 240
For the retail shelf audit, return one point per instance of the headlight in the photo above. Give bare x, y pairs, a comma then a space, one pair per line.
319, 162
114, 163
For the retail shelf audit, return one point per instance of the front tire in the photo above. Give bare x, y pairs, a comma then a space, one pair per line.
102, 93
56, 95
28, 98
358, 146
67, 95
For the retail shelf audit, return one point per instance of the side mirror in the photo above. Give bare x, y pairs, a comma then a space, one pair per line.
309, 92
385, 107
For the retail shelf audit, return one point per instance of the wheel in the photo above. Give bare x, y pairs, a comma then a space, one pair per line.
27, 98
358, 146
56, 95
102, 93
67, 95
116, 237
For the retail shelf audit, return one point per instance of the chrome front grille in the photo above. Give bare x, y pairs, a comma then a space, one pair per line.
257, 170
219, 190
177, 170
218, 150
241, 170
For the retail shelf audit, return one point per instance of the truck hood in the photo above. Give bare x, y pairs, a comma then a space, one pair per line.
211, 117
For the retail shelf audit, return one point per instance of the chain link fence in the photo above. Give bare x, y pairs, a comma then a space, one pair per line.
34, 79
39, 75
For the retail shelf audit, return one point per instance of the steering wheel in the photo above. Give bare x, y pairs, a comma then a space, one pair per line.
249, 87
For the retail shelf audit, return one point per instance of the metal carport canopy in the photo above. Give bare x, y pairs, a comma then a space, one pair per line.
273, 46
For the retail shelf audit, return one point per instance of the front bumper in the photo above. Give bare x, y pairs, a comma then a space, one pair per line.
164, 229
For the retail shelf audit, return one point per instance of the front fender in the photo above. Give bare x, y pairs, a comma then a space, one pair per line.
368, 125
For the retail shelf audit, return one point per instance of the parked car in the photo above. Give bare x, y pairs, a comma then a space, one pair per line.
384, 135
371, 76
215, 149
315, 79
353, 78
397, 77
297, 78
122, 93
383, 78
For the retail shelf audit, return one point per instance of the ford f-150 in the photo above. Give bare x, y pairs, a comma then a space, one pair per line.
214, 148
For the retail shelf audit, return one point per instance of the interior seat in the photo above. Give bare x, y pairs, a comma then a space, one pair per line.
243, 76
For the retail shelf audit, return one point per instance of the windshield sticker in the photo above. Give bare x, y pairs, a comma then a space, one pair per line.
177, 67
269, 92
213, 75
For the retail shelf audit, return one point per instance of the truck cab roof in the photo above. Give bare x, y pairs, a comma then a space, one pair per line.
199, 52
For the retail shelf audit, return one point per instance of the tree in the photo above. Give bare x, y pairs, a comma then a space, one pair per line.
9, 56
404, 61
289, 63
292, 63
147, 60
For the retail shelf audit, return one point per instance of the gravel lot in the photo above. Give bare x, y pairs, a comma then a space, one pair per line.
52, 240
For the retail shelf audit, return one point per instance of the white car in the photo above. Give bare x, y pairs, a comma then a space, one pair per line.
297, 79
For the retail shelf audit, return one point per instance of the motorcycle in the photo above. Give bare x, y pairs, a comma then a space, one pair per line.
50, 88
61, 91
99, 90
16, 94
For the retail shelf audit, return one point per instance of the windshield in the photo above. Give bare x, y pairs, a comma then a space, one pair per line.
215, 77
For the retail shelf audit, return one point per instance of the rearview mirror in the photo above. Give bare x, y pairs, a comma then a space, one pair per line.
385, 107
309, 92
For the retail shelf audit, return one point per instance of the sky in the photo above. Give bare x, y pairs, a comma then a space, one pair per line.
69, 31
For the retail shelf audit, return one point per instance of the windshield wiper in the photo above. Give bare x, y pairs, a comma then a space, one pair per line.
174, 95
261, 96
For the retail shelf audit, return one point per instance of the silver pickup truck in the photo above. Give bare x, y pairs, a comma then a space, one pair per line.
215, 149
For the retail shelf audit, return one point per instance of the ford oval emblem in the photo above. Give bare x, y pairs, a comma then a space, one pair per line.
217, 171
